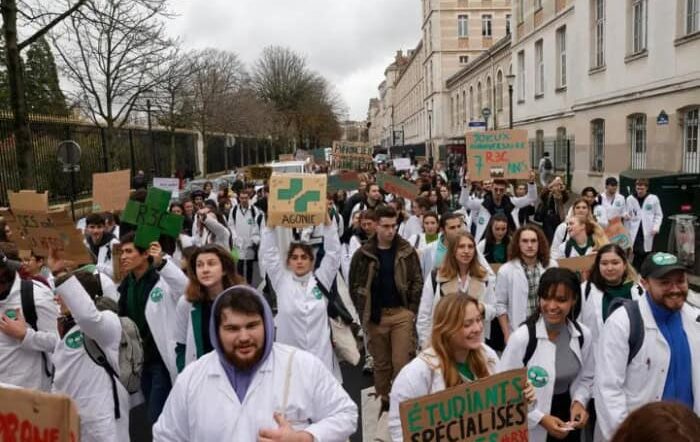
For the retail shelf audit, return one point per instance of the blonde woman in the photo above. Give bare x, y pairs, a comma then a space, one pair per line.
585, 238
461, 272
580, 207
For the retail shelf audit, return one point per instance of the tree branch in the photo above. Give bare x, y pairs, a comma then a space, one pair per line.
38, 34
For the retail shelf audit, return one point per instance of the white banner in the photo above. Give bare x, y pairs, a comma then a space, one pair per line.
169, 184
402, 163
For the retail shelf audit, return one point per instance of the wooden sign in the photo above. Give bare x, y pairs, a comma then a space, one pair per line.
297, 200
579, 264
34, 415
29, 201
498, 154
343, 181
617, 233
110, 190
397, 186
489, 409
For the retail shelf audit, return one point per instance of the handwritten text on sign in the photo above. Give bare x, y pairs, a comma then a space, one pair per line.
498, 154
489, 410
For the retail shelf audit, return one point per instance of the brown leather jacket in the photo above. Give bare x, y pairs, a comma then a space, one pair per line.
407, 275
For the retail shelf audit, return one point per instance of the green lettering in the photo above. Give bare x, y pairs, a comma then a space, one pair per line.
414, 416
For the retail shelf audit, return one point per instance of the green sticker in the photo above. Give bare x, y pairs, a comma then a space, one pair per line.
481, 220
647, 207
664, 259
11, 314
538, 376
74, 340
317, 293
157, 294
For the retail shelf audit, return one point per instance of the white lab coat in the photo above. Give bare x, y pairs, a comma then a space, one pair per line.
615, 207
561, 252
511, 291
621, 388
420, 377
427, 256
21, 363
184, 241
413, 226
649, 217
203, 405
245, 224
212, 232
592, 307
348, 250
561, 234
544, 357
302, 318
104, 257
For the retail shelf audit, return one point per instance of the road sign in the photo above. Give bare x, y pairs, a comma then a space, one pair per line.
69, 153
486, 112
662, 119
477, 123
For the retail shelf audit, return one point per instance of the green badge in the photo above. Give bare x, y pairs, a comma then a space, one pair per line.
481, 220
74, 340
317, 293
647, 207
538, 376
11, 314
664, 259
157, 294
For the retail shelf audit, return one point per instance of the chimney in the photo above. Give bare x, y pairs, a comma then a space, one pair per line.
399, 55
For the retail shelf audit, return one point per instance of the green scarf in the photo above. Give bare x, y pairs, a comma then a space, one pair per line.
623, 290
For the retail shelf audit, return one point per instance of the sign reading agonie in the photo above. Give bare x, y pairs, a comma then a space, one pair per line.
297, 200
498, 154
490, 409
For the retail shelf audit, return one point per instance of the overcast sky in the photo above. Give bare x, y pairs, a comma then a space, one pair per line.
350, 42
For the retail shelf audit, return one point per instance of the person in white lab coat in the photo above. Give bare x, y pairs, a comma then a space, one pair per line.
585, 238
430, 232
561, 365
665, 366
104, 417
517, 280
644, 222
456, 355
612, 202
580, 207
20, 364
245, 220
210, 227
599, 213
99, 242
253, 389
302, 318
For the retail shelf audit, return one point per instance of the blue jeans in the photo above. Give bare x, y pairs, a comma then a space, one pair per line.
156, 386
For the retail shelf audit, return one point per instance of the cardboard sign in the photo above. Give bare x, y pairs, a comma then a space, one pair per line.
343, 181
297, 200
352, 156
397, 186
286, 157
402, 163
617, 233
152, 218
491, 409
498, 154
171, 185
34, 415
579, 264
29, 201
259, 172
110, 190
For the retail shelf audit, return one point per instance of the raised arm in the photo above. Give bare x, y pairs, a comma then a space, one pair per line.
271, 256
330, 263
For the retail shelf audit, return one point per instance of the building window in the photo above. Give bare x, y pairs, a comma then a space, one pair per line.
599, 33
691, 125
521, 76
463, 26
463, 59
638, 140
486, 26
508, 19
453, 112
499, 91
539, 147
489, 91
479, 98
521, 11
472, 112
463, 112
597, 145
692, 16
561, 150
539, 68
639, 26
561, 57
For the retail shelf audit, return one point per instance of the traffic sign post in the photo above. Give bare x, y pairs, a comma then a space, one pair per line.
69, 155
486, 113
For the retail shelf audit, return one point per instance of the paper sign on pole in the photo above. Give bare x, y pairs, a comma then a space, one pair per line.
171, 185
34, 415
110, 190
297, 200
617, 233
397, 186
498, 154
490, 409
29, 201
402, 163
579, 264
343, 181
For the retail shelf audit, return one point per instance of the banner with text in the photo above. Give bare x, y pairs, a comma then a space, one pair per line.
297, 200
171, 185
397, 186
352, 155
498, 154
30, 415
489, 409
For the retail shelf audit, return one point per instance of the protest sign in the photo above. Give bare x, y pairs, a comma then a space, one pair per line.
397, 186
343, 181
34, 415
171, 185
110, 190
489, 409
319, 154
297, 200
579, 264
421, 160
259, 172
498, 154
402, 163
29, 201
352, 155
618, 234
152, 217
286, 157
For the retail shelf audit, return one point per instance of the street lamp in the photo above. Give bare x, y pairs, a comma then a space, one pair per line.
511, 80
430, 136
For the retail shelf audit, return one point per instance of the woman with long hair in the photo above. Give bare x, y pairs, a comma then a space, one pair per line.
494, 246
585, 238
612, 276
456, 355
431, 231
656, 421
210, 227
580, 207
210, 270
302, 301
558, 354
460, 272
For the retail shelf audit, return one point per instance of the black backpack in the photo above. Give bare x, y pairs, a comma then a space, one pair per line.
548, 164
636, 336
30, 316
532, 340
336, 308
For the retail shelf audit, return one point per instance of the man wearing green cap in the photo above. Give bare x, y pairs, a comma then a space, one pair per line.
650, 350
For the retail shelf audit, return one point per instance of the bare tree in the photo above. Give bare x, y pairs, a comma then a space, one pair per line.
111, 50
10, 9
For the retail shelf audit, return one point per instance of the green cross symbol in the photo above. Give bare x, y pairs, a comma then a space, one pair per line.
301, 204
152, 217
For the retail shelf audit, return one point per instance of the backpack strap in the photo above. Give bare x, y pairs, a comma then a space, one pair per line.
98, 356
415, 245
636, 336
30, 316
587, 290
336, 308
433, 280
100, 292
568, 248
580, 330
531, 342
234, 211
